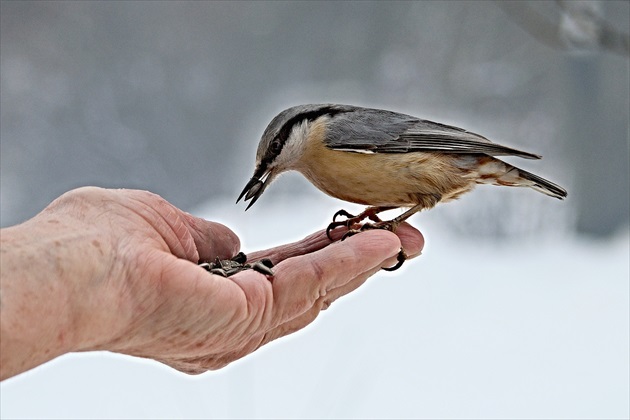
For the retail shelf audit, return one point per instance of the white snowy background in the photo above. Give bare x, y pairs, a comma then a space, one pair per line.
535, 328
518, 307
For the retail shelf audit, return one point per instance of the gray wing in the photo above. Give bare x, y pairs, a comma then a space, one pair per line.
378, 131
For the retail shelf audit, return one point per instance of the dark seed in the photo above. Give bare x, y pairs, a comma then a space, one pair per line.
233, 271
267, 262
206, 266
261, 268
240, 258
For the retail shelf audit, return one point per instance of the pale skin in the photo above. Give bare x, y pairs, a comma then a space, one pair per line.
117, 270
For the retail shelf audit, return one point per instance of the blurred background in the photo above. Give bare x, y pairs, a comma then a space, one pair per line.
173, 97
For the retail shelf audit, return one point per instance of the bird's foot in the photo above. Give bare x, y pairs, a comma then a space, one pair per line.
351, 220
390, 225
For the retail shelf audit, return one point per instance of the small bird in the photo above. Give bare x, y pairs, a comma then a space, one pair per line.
384, 160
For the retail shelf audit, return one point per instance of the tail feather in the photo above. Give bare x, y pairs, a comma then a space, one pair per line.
494, 171
543, 185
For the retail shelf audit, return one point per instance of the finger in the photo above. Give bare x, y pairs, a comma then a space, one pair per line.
186, 236
347, 288
185, 367
301, 280
212, 239
411, 239
311, 243
321, 304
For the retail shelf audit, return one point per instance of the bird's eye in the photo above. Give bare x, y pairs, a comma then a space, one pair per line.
275, 146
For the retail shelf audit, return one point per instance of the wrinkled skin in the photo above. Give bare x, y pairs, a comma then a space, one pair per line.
117, 270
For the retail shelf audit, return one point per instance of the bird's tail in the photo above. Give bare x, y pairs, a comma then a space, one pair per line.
494, 171
542, 185
517, 177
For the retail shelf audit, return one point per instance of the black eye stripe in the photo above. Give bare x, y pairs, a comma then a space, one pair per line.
285, 131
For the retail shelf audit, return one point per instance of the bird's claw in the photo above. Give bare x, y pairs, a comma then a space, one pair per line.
401, 257
331, 227
344, 213
350, 220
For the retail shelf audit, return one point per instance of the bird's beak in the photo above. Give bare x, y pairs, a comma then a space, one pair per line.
256, 186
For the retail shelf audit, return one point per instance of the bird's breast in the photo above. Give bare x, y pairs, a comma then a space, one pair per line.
380, 179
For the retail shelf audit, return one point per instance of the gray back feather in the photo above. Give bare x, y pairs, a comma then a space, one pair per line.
380, 131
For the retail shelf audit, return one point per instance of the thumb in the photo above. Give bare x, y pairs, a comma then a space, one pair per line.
212, 239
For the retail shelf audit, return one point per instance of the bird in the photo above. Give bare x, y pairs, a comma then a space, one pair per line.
384, 160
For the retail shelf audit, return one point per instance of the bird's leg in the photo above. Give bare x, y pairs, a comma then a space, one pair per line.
426, 202
392, 225
370, 213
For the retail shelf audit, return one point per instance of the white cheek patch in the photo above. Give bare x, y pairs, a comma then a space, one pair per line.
294, 146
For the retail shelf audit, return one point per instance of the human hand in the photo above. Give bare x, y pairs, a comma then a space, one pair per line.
127, 280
